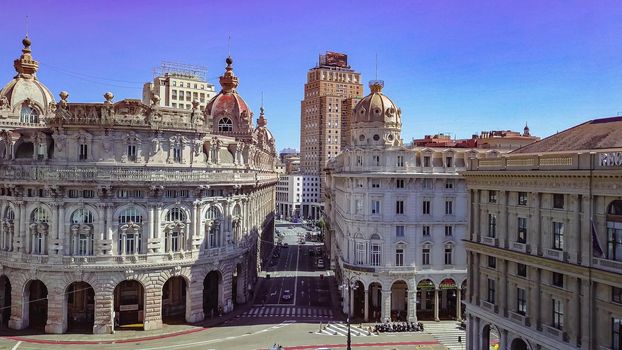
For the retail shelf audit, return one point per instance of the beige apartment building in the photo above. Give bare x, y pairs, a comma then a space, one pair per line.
544, 246
331, 91
178, 85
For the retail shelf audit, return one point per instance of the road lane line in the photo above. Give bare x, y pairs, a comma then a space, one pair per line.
296, 275
16, 345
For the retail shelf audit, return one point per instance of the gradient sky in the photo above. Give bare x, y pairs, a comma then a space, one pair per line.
457, 67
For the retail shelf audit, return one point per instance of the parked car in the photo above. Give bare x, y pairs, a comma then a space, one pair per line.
287, 295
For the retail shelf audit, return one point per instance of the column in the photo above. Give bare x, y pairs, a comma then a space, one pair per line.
476, 216
366, 311
436, 318
585, 321
109, 229
18, 241
412, 306
57, 312
350, 301
60, 231
386, 305
503, 339
458, 304
503, 288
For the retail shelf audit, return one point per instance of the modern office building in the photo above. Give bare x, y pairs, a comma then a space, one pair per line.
545, 243
178, 85
332, 89
128, 212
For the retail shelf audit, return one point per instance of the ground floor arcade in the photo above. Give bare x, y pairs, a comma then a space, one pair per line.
104, 301
404, 299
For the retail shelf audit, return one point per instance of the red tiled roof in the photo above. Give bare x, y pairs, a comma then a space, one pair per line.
593, 134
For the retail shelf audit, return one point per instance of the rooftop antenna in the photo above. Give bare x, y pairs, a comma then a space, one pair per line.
229, 46
262, 99
27, 20
376, 66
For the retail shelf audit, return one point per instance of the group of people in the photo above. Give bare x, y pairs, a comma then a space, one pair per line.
398, 327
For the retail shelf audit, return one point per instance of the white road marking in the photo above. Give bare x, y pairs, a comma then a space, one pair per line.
296, 276
187, 345
17, 345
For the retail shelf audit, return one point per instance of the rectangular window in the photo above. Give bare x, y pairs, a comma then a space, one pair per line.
558, 201
359, 160
83, 151
522, 198
449, 231
558, 236
616, 339
449, 207
557, 279
449, 184
426, 207
399, 207
428, 184
375, 183
375, 254
376, 160
400, 161
492, 262
449, 162
491, 291
426, 161
399, 231
521, 270
177, 154
558, 314
492, 225
360, 253
375, 207
521, 301
425, 230
492, 196
399, 183
616, 295
425, 256
399, 257
448, 254
614, 243
131, 152
522, 230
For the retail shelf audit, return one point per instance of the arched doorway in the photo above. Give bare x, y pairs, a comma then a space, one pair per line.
174, 295
448, 299
36, 297
5, 301
375, 302
399, 301
129, 304
519, 344
211, 294
425, 300
80, 298
490, 337
237, 285
358, 301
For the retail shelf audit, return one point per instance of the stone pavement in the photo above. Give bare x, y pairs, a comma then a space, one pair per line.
120, 336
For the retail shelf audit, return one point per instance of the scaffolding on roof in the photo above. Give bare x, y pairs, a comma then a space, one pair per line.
181, 69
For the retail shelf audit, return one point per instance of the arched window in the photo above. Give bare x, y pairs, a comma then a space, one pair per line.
38, 231
213, 223
237, 224
130, 231
82, 232
225, 124
174, 229
8, 229
28, 115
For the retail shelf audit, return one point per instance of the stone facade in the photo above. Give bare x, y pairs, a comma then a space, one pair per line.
128, 213
545, 244
397, 217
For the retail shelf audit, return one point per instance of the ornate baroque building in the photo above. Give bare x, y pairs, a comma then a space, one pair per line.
397, 217
545, 243
126, 212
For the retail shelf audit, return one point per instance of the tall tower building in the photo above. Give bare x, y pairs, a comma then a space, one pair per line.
331, 91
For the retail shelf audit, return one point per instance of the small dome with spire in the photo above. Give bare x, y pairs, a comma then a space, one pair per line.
25, 92
229, 112
526, 130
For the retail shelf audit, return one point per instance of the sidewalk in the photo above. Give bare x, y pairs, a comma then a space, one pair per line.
120, 336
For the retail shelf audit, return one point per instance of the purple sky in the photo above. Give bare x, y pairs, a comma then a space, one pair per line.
457, 67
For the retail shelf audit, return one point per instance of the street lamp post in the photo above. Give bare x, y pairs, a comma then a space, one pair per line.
350, 284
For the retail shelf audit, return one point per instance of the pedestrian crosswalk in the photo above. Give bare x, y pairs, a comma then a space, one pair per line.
447, 333
288, 311
341, 329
